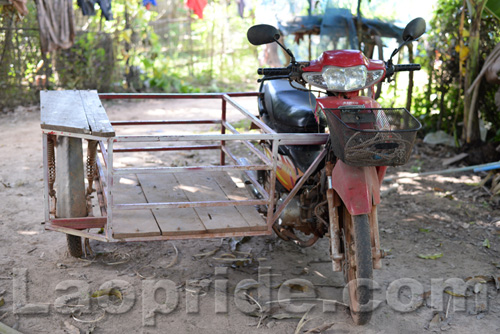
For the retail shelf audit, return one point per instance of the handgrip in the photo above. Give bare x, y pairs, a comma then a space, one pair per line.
274, 71
406, 67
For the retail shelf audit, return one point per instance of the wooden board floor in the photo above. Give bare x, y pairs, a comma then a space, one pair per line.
182, 187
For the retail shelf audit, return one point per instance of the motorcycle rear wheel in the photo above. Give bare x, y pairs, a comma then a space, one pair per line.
358, 265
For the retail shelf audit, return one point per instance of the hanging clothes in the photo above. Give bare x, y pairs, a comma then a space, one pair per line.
197, 6
149, 3
88, 9
20, 6
241, 7
56, 21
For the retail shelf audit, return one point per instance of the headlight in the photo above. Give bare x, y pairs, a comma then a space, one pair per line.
343, 79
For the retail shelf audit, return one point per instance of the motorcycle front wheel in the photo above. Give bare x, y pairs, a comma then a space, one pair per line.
358, 265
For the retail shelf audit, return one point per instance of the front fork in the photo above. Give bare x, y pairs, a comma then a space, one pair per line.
357, 189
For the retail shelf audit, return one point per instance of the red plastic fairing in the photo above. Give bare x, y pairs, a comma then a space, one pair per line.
331, 102
358, 187
344, 58
381, 173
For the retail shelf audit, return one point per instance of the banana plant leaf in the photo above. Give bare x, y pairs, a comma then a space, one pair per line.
493, 6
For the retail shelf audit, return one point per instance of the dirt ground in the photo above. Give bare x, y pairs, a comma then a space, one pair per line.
448, 219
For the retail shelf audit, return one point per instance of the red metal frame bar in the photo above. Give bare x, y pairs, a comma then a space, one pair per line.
252, 148
223, 131
160, 122
102, 238
198, 204
104, 153
81, 223
255, 120
167, 148
113, 96
299, 184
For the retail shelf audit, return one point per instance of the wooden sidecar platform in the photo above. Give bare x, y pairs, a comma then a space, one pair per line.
144, 188
126, 202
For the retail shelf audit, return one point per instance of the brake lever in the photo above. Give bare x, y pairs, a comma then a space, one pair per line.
267, 78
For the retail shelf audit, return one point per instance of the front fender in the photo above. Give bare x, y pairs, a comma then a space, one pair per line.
358, 187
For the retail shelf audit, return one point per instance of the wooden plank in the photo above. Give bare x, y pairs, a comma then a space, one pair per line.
126, 223
203, 187
254, 220
171, 221
63, 111
96, 115
456, 158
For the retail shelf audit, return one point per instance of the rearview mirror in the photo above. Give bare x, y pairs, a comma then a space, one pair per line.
414, 29
262, 34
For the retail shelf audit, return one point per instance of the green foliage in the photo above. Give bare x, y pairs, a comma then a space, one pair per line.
169, 50
22, 67
493, 7
88, 64
440, 104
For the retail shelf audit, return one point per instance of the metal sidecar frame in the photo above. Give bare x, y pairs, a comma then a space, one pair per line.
80, 114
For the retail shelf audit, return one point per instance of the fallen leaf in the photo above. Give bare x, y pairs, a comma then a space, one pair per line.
108, 292
451, 293
320, 329
486, 243
174, 260
238, 262
246, 286
302, 322
436, 322
426, 295
236, 241
91, 329
71, 329
430, 256
2, 302
480, 279
497, 282
89, 321
298, 287
281, 316
424, 230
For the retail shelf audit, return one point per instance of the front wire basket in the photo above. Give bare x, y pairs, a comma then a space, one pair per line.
372, 136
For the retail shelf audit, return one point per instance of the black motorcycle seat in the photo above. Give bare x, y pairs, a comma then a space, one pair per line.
290, 108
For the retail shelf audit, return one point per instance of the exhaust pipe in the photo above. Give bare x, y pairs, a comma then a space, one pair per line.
245, 177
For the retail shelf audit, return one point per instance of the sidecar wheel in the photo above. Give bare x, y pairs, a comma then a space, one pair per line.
358, 266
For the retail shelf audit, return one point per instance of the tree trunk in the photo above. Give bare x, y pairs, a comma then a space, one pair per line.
410, 80
359, 27
471, 115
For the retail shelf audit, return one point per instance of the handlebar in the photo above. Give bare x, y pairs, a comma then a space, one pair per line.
274, 71
406, 67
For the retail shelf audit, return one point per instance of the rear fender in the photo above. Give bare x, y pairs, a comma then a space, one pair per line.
358, 187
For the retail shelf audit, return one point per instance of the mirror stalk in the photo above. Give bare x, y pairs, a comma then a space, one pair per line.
287, 51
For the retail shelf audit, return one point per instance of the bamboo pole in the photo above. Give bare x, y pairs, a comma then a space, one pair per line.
4, 329
475, 168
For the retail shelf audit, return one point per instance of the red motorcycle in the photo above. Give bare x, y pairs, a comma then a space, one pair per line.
339, 200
